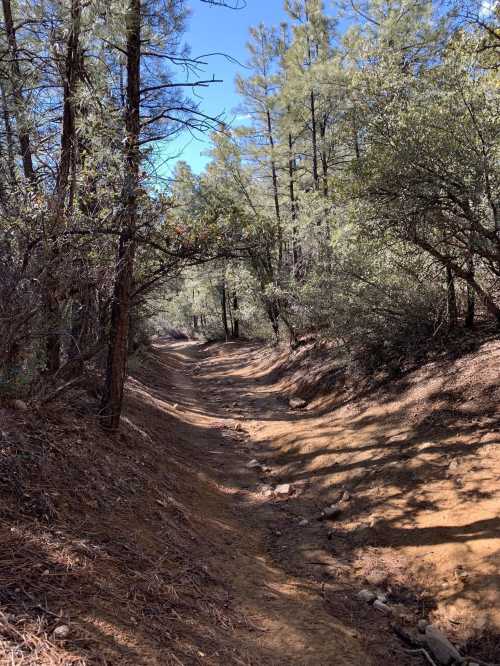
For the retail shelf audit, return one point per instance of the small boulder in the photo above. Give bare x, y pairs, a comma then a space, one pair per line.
366, 596
253, 464
303, 522
422, 625
61, 631
440, 647
20, 405
380, 606
297, 403
283, 490
331, 512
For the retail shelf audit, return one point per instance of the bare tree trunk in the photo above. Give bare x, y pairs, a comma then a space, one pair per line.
118, 338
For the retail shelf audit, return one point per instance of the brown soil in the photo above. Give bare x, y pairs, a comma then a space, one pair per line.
158, 547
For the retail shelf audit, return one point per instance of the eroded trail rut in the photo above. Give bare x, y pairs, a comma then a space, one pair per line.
299, 604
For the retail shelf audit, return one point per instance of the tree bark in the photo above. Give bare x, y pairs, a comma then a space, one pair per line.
236, 316
9, 137
471, 296
452, 299
223, 303
120, 308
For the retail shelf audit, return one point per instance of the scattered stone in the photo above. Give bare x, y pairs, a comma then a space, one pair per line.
372, 522
283, 490
422, 626
20, 405
297, 403
376, 577
366, 596
62, 631
268, 493
453, 465
383, 608
440, 647
253, 464
346, 496
331, 512
303, 522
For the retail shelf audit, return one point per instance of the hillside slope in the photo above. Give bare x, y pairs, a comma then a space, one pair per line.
168, 545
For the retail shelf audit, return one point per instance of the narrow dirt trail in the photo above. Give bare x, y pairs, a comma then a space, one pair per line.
299, 610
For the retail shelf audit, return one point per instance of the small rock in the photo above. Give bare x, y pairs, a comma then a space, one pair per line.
253, 464
20, 405
367, 596
346, 496
331, 512
376, 577
453, 465
283, 490
303, 522
440, 647
297, 403
422, 626
268, 493
62, 631
380, 606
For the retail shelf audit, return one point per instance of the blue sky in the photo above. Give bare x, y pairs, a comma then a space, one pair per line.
218, 29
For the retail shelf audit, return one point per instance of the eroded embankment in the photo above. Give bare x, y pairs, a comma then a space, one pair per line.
420, 460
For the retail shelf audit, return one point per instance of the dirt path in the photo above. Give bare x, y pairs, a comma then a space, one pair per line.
300, 603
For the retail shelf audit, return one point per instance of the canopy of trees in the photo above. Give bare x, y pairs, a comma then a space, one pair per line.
360, 198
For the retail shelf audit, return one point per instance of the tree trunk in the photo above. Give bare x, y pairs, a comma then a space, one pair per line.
489, 303
324, 159
471, 296
118, 338
68, 146
236, 316
274, 176
9, 137
223, 303
452, 299
293, 206
22, 129
314, 137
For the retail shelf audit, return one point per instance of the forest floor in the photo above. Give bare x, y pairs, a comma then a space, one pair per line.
168, 545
